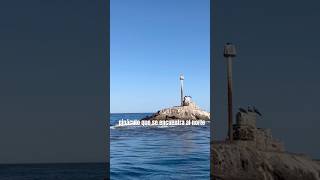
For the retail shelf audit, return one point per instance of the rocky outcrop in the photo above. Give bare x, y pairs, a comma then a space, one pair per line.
254, 154
189, 111
241, 161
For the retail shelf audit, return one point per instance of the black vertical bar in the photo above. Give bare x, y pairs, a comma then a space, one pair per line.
211, 90
108, 91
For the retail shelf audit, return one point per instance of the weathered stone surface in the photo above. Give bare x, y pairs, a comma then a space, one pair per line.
242, 161
245, 130
248, 118
255, 155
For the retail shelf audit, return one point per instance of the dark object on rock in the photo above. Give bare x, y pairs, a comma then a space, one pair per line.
256, 111
242, 110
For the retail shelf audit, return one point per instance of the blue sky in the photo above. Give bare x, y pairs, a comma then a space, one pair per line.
152, 42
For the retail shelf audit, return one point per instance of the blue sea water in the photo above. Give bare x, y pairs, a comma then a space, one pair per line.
180, 152
137, 153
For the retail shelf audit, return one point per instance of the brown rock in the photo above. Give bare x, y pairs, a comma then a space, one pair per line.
190, 111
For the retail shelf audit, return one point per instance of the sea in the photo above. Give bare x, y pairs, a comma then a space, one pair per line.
158, 152
136, 153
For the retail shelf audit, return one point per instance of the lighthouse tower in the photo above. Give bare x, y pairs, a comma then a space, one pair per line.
181, 88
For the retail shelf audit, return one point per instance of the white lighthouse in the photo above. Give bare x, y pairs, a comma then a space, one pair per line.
181, 88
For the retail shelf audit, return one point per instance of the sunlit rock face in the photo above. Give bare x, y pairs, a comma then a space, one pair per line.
189, 111
254, 154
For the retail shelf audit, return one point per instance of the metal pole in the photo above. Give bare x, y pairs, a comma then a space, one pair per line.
230, 114
181, 82
229, 52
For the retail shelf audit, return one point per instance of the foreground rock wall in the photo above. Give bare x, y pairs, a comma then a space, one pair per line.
255, 155
240, 161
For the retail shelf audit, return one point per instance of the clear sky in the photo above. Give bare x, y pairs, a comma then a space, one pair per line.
152, 42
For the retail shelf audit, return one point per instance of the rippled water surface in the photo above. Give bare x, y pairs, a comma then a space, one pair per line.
180, 152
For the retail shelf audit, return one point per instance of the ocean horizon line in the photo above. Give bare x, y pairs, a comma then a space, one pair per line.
131, 112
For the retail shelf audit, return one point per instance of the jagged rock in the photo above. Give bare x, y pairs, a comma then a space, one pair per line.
189, 111
238, 160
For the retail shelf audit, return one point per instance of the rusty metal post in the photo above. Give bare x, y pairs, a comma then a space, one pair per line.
229, 53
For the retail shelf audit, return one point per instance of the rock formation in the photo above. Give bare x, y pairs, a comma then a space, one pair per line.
255, 155
189, 111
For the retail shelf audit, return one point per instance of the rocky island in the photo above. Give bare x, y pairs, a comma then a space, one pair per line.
254, 154
188, 111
